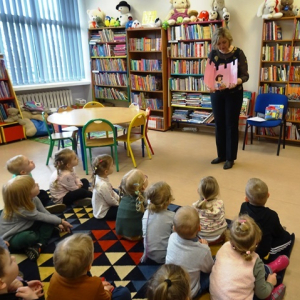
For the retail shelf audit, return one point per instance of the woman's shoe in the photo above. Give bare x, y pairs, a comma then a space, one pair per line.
228, 164
217, 160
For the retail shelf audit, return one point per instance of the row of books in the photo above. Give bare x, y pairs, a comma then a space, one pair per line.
297, 30
187, 84
145, 44
145, 65
4, 90
192, 116
108, 50
276, 53
112, 64
108, 35
188, 66
191, 49
292, 131
153, 103
156, 122
293, 92
267, 88
110, 79
271, 31
3, 110
191, 32
145, 83
110, 93
274, 73
296, 53
293, 114
191, 99
3, 74
294, 73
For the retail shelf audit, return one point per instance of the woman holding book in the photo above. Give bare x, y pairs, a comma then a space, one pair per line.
227, 101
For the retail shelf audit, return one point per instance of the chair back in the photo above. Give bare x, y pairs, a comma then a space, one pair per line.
139, 120
92, 104
64, 108
47, 126
97, 125
264, 100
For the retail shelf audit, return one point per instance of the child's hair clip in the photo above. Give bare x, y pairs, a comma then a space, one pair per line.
137, 192
100, 161
242, 221
248, 252
136, 184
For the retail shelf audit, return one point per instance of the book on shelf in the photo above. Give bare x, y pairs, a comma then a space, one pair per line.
245, 107
274, 112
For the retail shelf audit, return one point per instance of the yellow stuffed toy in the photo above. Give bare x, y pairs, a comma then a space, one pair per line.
181, 12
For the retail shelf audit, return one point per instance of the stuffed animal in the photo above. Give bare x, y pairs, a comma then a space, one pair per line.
203, 15
128, 24
112, 22
296, 10
272, 10
181, 9
13, 115
30, 129
107, 20
218, 6
213, 15
286, 7
136, 24
226, 16
97, 17
124, 8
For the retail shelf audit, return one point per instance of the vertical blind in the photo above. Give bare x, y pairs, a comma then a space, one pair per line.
41, 41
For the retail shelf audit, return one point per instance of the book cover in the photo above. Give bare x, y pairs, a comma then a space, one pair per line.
245, 107
274, 112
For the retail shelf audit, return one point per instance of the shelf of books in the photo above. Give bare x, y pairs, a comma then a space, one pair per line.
280, 69
188, 49
9, 131
147, 61
108, 56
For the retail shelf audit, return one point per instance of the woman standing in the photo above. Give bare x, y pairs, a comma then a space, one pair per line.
227, 102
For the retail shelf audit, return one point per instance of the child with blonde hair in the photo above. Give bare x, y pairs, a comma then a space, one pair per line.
170, 282
24, 221
105, 200
238, 272
8, 272
65, 185
211, 209
73, 259
157, 222
21, 165
132, 205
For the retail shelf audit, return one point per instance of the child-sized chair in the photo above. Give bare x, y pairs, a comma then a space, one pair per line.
92, 104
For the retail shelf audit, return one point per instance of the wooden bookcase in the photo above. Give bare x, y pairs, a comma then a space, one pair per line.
280, 69
148, 71
108, 57
188, 49
11, 131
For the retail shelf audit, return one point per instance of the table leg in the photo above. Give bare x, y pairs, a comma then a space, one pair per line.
81, 146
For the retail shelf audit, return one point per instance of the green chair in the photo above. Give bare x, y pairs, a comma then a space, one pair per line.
97, 125
60, 136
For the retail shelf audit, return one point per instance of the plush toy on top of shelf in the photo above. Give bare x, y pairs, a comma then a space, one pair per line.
213, 15
124, 8
13, 115
271, 6
286, 7
203, 15
219, 6
96, 18
181, 10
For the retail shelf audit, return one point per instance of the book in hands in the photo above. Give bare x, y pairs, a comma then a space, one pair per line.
274, 112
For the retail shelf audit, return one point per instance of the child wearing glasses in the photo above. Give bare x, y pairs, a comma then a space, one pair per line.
132, 205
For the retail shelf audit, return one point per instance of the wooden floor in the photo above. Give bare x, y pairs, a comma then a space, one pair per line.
182, 159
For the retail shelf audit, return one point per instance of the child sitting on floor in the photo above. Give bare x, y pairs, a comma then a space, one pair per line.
105, 200
65, 185
132, 206
238, 272
275, 238
8, 272
21, 165
211, 210
184, 249
157, 222
73, 258
24, 221
170, 282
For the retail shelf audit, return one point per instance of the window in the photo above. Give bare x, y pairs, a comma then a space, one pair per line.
41, 41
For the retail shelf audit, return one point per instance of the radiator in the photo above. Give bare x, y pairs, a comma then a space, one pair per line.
51, 100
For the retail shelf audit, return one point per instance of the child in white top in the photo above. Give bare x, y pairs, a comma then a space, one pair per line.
211, 209
238, 272
65, 185
157, 222
105, 200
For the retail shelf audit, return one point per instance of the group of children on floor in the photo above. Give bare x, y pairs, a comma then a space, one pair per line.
175, 239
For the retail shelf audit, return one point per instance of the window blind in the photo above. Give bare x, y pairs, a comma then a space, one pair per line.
41, 41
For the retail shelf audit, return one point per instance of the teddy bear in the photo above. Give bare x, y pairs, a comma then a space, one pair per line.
13, 115
218, 6
124, 8
286, 7
271, 7
27, 122
97, 18
181, 9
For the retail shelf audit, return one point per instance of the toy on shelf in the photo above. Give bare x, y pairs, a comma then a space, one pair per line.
129, 24
296, 10
271, 6
286, 7
107, 21
213, 15
96, 18
136, 24
124, 8
226, 16
219, 6
13, 115
203, 16
181, 10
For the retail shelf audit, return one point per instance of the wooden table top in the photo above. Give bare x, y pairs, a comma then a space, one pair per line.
79, 117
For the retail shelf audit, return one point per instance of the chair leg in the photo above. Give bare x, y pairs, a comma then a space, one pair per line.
148, 150
85, 160
111, 151
251, 129
116, 158
149, 144
279, 140
245, 135
131, 154
284, 131
50, 151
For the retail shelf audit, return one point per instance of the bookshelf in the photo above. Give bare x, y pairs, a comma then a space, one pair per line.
280, 70
147, 61
188, 48
9, 131
108, 55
